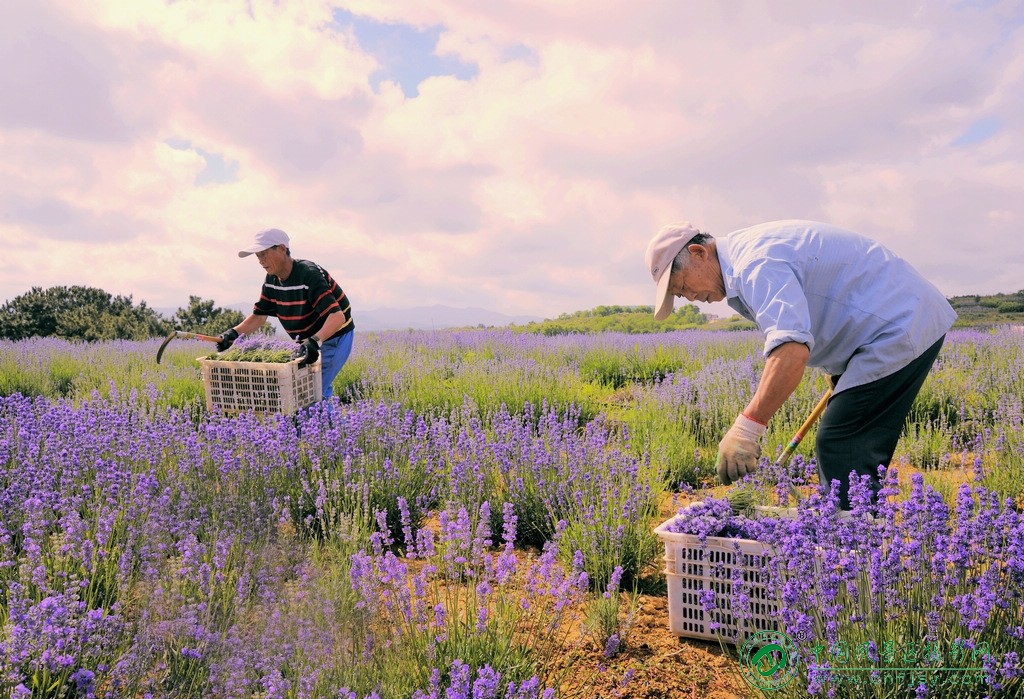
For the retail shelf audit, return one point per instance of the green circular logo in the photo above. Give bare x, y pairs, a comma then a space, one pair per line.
768, 660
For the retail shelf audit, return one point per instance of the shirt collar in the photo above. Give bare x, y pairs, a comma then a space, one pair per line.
725, 261
732, 285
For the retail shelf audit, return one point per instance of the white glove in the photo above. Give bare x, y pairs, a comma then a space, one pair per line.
739, 451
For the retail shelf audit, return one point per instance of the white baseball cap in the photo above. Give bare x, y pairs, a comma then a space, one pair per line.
267, 238
662, 249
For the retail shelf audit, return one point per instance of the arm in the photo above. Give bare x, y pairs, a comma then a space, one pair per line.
309, 350
332, 324
739, 451
783, 371
251, 324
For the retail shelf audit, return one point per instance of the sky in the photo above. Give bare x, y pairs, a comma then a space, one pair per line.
514, 155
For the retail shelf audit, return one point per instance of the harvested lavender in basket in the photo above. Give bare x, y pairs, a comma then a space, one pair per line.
258, 348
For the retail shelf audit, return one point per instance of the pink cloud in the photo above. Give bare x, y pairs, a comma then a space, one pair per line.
585, 125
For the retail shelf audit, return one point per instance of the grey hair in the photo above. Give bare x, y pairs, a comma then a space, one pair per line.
682, 258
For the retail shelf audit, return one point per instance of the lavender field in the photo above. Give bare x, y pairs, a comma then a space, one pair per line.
470, 520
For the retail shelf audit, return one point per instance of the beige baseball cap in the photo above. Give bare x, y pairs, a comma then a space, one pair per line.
662, 249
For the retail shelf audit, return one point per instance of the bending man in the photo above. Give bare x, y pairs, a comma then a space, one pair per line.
823, 297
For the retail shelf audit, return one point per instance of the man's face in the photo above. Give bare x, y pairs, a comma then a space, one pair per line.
702, 280
273, 260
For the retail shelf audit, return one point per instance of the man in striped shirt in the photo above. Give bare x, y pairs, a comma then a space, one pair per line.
305, 298
823, 297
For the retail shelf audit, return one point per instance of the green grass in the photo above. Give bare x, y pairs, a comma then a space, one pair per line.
673, 395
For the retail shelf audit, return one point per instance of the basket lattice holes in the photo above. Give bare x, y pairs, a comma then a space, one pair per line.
232, 387
692, 568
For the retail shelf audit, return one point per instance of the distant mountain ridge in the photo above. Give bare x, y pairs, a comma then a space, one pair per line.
434, 317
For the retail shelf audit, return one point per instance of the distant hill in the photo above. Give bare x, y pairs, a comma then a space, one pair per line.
994, 309
972, 311
623, 319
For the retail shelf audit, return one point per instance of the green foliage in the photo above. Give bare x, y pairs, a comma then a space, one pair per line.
258, 348
606, 539
74, 370
624, 319
440, 372
674, 395
733, 322
605, 623
638, 365
472, 606
250, 509
80, 313
390, 472
993, 309
202, 317
16, 379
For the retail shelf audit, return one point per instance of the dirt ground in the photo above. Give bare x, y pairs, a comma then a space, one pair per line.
666, 665
662, 664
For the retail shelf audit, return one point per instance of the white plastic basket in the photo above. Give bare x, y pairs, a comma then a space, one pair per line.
691, 568
262, 387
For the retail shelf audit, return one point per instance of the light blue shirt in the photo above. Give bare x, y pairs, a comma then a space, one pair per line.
862, 311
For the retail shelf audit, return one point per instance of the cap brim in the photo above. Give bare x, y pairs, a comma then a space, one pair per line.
664, 303
253, 249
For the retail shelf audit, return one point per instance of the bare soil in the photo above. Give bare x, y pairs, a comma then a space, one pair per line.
662, 664
666, 665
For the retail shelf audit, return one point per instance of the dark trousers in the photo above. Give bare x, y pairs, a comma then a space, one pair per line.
861, 426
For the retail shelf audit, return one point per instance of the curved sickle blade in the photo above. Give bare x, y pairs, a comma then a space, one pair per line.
183, 336
163, 345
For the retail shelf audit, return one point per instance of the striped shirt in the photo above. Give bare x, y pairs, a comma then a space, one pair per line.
862, 311
303, 301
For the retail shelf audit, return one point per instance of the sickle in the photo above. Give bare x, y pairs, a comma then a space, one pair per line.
182, 335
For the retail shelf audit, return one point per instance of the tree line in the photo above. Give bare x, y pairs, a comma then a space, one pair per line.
1000, 303
88, 313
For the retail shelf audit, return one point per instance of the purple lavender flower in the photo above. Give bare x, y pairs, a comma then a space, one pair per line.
712, 517
611, 647
1011, 667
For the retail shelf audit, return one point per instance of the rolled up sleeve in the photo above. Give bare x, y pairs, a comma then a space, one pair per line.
776, 298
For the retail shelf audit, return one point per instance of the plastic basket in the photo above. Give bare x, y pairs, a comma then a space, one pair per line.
692, 568
261, 387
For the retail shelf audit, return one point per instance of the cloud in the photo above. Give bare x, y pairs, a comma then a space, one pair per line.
297, 136
56, 78
516, 156
57, 220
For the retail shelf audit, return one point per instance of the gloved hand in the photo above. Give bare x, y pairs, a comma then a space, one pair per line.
227, 338
739, 451
308, 352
